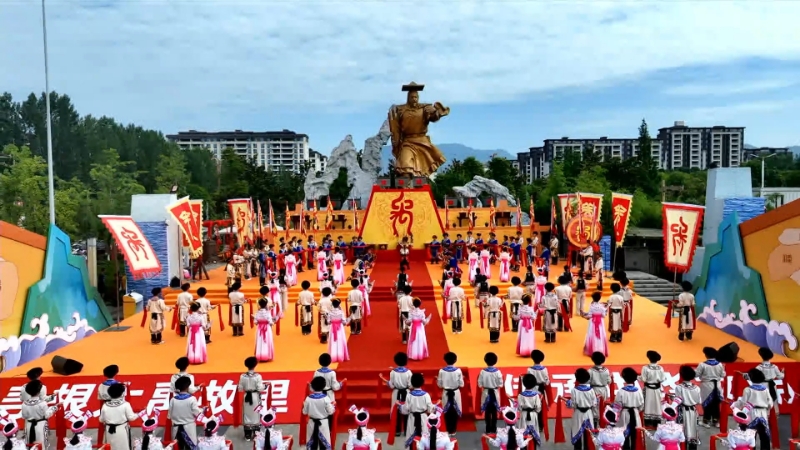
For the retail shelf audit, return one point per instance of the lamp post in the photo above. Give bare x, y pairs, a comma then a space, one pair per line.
761, 192
51, 189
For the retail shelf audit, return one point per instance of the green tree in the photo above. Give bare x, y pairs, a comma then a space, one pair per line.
340, 188
502, 171
172, 172
644, 170
113, 184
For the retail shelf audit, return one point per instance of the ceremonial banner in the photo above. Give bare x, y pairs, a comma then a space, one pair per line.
519, 217
621, 208
533, 216
142, 260
565, 203
287, 220
492, 215
273, 228
260, 221
681, 228
329, 214
446, 214
590, 205
315, 218
302, 218
553, 217
251, 230
355, 217
197, 215
470, 218
240, 214
189, 223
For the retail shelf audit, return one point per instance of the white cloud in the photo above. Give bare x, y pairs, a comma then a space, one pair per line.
169, 61
730, 88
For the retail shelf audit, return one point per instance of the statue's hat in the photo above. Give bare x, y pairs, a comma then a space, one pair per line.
413, 87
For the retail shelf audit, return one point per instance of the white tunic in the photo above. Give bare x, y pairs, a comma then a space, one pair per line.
666, 433
116, 414
490, 380
399, 380
36, 412
318, 407
367, 441
251, 384
276, 440
610, 437
689, 393
212, 443
331, 383
712, 375
501, 441
582, 402
652, 377
417, 406
84, 443
183, 410
192, 388
632, 401
451, 380
155, 444
529, 404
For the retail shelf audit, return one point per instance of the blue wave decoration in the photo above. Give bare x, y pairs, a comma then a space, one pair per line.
156, 234
20, 350
777, 336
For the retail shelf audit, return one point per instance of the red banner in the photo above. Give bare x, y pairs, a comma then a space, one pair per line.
470, 217
189, 222
591, 205
568, 206
240, 214
533, 216
681, 229
581, 229
260, 221
519, 216
329, 214
621, 209
492, 215
142, 260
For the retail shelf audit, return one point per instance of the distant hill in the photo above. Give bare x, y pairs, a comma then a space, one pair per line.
454, 151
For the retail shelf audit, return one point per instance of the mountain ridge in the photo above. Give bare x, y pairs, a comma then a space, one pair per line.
453, 151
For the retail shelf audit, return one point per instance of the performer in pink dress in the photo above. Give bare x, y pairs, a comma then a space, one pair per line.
265, 346
291, 269
418, 342
196, 345
526, 338
539, 291
596, 333
338, 267
473, 264
486, 257
274, 294
505, 265
337, 343
322, 269
365, 286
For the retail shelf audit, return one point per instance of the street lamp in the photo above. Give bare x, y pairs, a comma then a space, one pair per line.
762, 172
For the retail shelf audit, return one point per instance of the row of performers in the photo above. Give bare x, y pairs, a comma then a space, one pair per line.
756, 408
249, 262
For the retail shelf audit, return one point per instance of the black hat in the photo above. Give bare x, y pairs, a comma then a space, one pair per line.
111, 371
35, 373
318, 384
251, 362
183, 383
615, 287
417, 380
325, 360
765, 354
450, 358
687, 373
117, 390
400, 358
710, 352
182, 363
582, 376
653, 356
490, 359
686, 286
33, 388
549, 286
528, 381
756, 376
537, 356
629, 375
598, 358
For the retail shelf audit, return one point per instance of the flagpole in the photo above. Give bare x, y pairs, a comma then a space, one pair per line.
50, 178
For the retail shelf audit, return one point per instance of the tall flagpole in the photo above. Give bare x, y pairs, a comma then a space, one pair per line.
50, 183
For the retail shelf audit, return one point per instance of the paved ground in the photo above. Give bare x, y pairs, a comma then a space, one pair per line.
467, 441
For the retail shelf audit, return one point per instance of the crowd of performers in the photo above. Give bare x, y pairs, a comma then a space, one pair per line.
611, 420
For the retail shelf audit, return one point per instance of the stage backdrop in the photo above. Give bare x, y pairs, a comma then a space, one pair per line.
21, 263
772, 248
395, 213
60, 306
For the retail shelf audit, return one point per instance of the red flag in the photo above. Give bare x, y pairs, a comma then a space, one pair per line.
355, 216
446, 214
580, 210
315, 220
469, 216
492, 214
553, 217
533, 216
260, 221
519, 217
329, 214
273, 229
287, 220
142, 260
302, 217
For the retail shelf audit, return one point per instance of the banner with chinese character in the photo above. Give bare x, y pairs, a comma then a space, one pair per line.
470, 216
519, 216
260, 221
189, 223
621, 209
565, 203
533, 216
273, 227
681, 229
591, 205
240, 214
197, 213
142, 260
492, 215
329, 214
314, 217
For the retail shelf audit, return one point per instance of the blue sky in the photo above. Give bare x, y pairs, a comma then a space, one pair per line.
513, 73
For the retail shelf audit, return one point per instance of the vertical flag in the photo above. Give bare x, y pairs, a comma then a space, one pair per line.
260, 221
533, 216
355, 216
446, 214
492, 215
553, 217
580, 211
314, 218
287, 220
302, 217
273, 229
519, 217
329, 214
469, 216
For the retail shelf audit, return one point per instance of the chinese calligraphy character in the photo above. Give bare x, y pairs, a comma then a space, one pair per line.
160, 398
134, 242
241, 220
787, 259
619, 213
75, 397
587, 209
679, 236
278, 396
402, 213
220, 398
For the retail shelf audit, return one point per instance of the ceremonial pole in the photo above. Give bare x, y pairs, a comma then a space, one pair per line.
51, 189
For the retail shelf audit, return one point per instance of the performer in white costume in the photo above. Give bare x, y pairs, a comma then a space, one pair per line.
210, 440
432, 438
78, 441
148, 441
10, 430
510, 437
35, 412
276, 439
361, 438
669, 434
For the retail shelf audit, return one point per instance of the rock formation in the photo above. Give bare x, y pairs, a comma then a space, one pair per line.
361, 176
479, 185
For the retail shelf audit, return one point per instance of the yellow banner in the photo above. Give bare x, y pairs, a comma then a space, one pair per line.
393, 214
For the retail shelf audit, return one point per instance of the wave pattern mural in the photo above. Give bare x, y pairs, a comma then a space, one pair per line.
18, 350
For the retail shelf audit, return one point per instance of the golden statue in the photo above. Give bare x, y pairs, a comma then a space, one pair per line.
413, 152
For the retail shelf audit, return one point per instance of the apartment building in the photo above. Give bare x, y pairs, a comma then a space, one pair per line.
274, 150
676, 147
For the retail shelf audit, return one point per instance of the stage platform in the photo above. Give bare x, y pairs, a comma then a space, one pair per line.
148, 367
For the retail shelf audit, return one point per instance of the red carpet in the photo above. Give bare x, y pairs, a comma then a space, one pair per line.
374, 349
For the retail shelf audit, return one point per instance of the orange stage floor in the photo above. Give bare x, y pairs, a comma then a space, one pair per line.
132, 351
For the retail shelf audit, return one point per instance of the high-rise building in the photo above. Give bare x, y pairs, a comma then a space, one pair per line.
274, 150
749, 154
